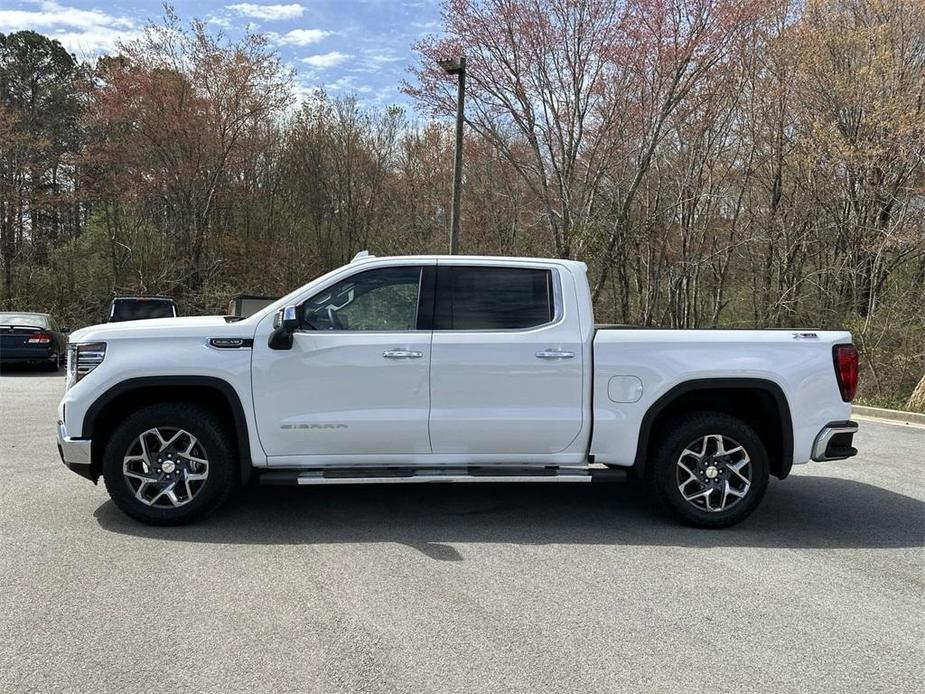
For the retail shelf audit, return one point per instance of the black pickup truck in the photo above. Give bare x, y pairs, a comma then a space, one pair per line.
124, 308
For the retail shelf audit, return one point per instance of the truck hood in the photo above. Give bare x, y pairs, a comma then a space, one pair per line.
187, 326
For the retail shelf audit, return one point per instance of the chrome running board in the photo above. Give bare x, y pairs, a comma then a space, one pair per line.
409, 475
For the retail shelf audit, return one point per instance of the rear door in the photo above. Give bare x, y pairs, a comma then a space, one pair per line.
506, 365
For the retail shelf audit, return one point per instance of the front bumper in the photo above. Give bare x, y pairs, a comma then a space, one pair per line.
75, 453
834, 441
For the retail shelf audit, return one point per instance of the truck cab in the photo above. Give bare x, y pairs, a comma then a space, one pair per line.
492, 372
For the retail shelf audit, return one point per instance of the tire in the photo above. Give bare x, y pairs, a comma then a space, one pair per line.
724, 475
53, 366
171, 484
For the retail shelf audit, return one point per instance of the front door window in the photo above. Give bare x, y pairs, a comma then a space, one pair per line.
385, 299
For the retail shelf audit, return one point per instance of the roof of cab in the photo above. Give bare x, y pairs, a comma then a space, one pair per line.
365, 257
150, 297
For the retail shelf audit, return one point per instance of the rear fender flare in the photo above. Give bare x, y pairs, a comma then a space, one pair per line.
785, 422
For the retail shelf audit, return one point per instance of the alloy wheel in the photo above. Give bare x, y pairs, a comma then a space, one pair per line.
165, 467
714, 473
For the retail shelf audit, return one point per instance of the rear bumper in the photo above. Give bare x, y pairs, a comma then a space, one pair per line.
75, 453
31, 354
834, 441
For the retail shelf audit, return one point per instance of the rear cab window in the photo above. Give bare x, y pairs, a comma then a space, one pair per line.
486, 297
141, 309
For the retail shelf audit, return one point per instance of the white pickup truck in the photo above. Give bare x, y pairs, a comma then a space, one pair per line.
448, 369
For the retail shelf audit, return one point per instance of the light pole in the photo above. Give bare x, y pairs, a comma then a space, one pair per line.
457, 66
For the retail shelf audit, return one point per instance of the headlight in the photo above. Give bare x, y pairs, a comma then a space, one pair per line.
82, 358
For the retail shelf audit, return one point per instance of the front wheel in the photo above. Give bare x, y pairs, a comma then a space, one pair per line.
710, 471
169, 464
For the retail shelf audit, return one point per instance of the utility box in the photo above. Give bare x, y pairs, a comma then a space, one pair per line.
244, 305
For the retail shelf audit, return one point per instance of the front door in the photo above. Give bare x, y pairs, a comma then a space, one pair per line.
356, 380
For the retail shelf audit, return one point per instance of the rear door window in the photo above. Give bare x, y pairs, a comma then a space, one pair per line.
493, 298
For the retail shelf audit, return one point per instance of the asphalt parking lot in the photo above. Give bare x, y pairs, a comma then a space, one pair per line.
468, 588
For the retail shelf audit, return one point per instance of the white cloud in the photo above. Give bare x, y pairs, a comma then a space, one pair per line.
304, 92
382, 57
93, 40
267, 12
52, 14
219, 20
340, 84
348, 84
79, 31
373, 60
428, 27
303, 37
325, 60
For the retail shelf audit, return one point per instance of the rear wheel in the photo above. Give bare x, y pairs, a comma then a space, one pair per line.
710, 471
169, 464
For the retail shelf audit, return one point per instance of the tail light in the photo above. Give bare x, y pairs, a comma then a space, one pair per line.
846, 370
39, 339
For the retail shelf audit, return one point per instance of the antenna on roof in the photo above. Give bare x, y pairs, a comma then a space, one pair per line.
361, 255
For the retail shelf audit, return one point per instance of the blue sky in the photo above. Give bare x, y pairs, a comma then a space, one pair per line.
345, 46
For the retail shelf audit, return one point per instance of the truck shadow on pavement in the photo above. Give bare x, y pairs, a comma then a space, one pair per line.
805, 512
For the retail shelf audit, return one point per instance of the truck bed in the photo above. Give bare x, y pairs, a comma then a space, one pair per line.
634, 367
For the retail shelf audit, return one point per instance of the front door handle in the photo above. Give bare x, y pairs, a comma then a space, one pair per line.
402, 354
554, 354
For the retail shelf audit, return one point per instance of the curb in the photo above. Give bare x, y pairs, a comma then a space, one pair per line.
892, 415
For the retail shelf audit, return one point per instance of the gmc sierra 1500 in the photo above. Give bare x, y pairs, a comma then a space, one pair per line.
448, 369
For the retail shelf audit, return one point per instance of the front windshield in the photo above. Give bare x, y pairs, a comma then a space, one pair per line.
33, 320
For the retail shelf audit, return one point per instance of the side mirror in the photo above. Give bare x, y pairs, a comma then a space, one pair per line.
285, 322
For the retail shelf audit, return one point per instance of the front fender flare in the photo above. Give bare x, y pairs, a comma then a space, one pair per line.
143, 383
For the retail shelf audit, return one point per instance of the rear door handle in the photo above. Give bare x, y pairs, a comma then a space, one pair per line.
402, 354
554, 354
